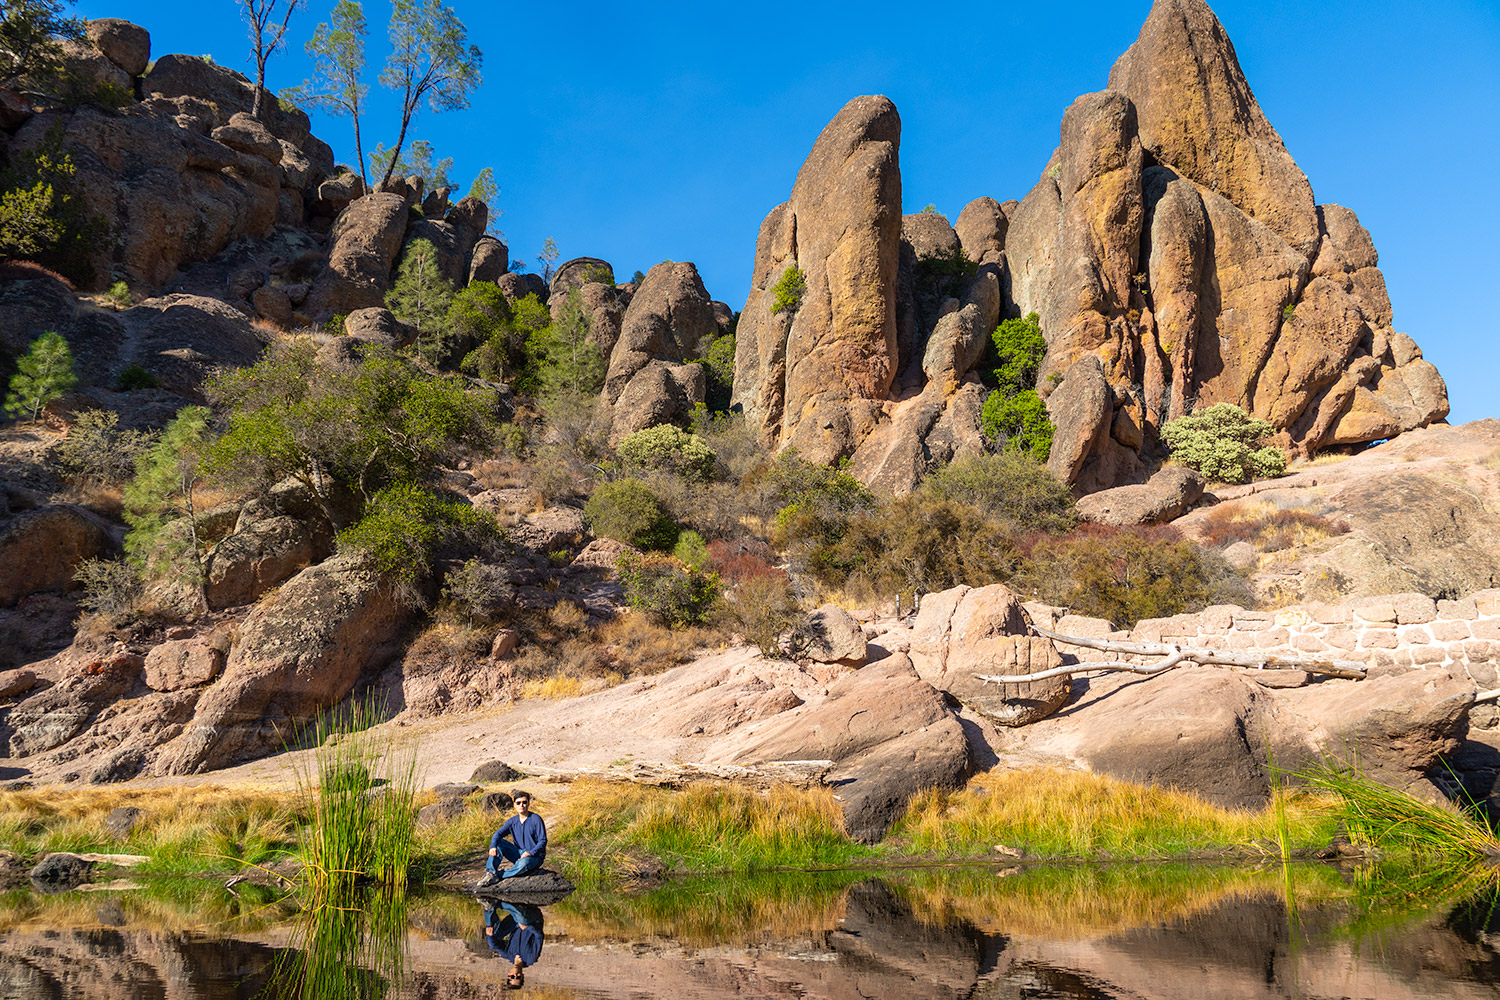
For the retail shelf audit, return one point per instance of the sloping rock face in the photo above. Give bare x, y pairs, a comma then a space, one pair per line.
296, 655
1174, 240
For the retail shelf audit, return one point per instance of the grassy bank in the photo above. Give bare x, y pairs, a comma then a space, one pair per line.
605, 833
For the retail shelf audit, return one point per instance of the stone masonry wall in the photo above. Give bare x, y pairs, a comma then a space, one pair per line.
1383, 633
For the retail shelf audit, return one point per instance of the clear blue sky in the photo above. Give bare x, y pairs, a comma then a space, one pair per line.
643, 132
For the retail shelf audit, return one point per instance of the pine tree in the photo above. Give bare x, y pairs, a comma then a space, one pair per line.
44, 374
161, 504
421, 295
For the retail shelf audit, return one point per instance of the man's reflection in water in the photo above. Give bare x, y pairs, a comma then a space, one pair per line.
514, 931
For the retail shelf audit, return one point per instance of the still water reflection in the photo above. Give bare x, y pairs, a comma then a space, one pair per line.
1164, 931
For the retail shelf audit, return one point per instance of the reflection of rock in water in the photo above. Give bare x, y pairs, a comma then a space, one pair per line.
1243, 948
888, 952
109, 964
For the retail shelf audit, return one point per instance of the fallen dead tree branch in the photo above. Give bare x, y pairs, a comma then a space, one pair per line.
798, 773
1176, 655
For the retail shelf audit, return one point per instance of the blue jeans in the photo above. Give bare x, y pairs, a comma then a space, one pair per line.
519, 865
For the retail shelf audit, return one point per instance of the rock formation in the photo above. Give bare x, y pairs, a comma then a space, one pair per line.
1174, 254
1172, 249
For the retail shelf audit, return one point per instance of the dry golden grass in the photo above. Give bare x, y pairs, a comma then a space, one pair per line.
184, 828
1057, 813
556, 688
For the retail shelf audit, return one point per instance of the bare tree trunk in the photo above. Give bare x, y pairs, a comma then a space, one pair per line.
1175, 655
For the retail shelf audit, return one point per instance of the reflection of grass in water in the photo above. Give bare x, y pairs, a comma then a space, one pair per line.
707, 911
1388, 896
703, 827
1071, 901
354, 951
1056, 813
166, 905
184, 830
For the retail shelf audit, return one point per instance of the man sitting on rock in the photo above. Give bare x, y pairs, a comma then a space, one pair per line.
526, 849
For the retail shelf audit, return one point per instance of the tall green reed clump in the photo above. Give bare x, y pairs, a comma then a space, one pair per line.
1377, 815
362, 830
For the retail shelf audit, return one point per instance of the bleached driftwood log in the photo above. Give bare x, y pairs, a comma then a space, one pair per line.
798, 773
1176, 655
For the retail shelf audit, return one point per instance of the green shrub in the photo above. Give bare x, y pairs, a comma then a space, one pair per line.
667, 448
665, 590
788, 291
1221, 442
920, 544
1019, 350
477, 315
814, 502
119, 295
626, 511
1014, 414
97, 453
718, 365
43, 216
1012, 486
404, 525
1128, 574
944, 273
133, 377
1020, 421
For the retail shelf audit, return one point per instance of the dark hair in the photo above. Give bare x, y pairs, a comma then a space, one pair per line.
520, 793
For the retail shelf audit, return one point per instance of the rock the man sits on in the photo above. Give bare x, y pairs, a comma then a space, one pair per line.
527, 847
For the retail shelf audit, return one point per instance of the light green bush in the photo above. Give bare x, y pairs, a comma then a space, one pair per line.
1012, 486
788, 291
667, 448
627, 511
1222, 442
665, 590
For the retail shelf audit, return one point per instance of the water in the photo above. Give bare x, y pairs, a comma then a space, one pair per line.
1162, 931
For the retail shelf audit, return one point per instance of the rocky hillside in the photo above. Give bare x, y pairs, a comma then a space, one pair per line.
1172, 249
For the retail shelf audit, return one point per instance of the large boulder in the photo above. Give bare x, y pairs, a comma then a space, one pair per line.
126, 45
833, 636
815, 378
42, 549
1165, 496
963, 632
184, 663
362, 250
257, 557
668, 318
888, 733
491, 259
296, 655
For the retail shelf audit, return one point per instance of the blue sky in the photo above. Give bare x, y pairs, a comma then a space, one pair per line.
666, 131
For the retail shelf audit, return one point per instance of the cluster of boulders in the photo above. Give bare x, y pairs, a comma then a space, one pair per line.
1172, 250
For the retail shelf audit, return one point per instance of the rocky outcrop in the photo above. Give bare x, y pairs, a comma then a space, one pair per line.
126, 45
362, 250
815, 377
962, 632
648, 380
257, 557
295, 655
1174, 240
42, 549
1167, 495
888, 734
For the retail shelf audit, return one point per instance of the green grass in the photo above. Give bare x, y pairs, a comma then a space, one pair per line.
1048, 813
613, 830
1393, 821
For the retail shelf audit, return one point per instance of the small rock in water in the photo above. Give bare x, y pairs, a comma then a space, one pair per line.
60, 871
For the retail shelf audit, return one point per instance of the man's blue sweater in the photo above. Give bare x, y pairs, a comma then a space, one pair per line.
530, 836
